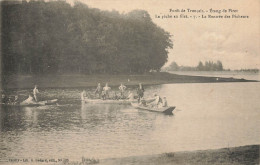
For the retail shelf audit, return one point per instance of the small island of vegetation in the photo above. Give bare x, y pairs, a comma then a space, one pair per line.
206, 66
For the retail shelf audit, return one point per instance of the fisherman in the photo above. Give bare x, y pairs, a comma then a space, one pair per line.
35, 92
83, 95
103, 95
98, 90
130, 96
4, 99
143, 102
116, 97
29, 100
122, 89
164, 102
16, 100
106, 89
157, 101
140, 92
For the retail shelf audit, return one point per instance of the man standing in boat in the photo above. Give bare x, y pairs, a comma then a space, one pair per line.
122, 89
106, 89
83, 95
140, 92
35, 92
98, 90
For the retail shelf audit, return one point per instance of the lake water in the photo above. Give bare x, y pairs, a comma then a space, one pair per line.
208, 116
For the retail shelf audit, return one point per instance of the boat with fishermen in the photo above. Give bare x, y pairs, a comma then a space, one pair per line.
155, 104
105, 96
31, 101
39, 103
114, 101
166, 110
158, 105
32, 104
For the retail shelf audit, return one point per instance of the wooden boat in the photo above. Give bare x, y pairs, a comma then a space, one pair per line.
165, 110
110, 101
34, 104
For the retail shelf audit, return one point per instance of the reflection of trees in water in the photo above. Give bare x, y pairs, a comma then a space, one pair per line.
32, 115
109, 117
94, 115
14, 123
18, 118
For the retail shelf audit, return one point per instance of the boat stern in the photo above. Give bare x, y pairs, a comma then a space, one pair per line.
169, 110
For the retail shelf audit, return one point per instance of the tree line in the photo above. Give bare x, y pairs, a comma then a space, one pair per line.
55, 37
206, 66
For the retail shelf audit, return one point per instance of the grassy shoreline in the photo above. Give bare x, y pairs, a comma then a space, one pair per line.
69, 81
225, 156
235, 155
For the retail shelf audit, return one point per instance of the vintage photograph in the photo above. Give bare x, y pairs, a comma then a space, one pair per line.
140, 82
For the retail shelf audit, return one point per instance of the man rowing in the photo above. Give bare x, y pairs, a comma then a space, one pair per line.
164, 102
158, 101
29, 100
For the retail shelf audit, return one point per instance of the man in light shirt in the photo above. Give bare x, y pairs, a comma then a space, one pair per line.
122, 89
164, 102
106, 89
35, 92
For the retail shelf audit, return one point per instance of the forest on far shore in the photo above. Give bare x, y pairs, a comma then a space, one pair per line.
206, 66
41, 37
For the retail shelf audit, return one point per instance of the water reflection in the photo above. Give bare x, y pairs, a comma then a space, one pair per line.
207, 116
22, 118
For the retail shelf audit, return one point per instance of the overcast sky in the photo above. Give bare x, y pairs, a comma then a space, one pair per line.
235, 42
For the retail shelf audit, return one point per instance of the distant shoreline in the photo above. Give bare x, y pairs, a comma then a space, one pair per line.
76, 80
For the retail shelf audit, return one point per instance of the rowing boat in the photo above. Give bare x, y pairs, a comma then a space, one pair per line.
34, 104
110, 101
165, 110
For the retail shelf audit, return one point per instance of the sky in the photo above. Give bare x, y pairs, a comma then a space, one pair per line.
235, 42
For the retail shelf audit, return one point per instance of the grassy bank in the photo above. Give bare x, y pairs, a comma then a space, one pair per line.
54, 81
248, 155
237, 155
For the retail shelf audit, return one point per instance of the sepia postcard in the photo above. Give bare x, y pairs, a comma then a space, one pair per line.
142, 82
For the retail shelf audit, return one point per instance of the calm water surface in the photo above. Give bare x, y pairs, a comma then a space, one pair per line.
207, 116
